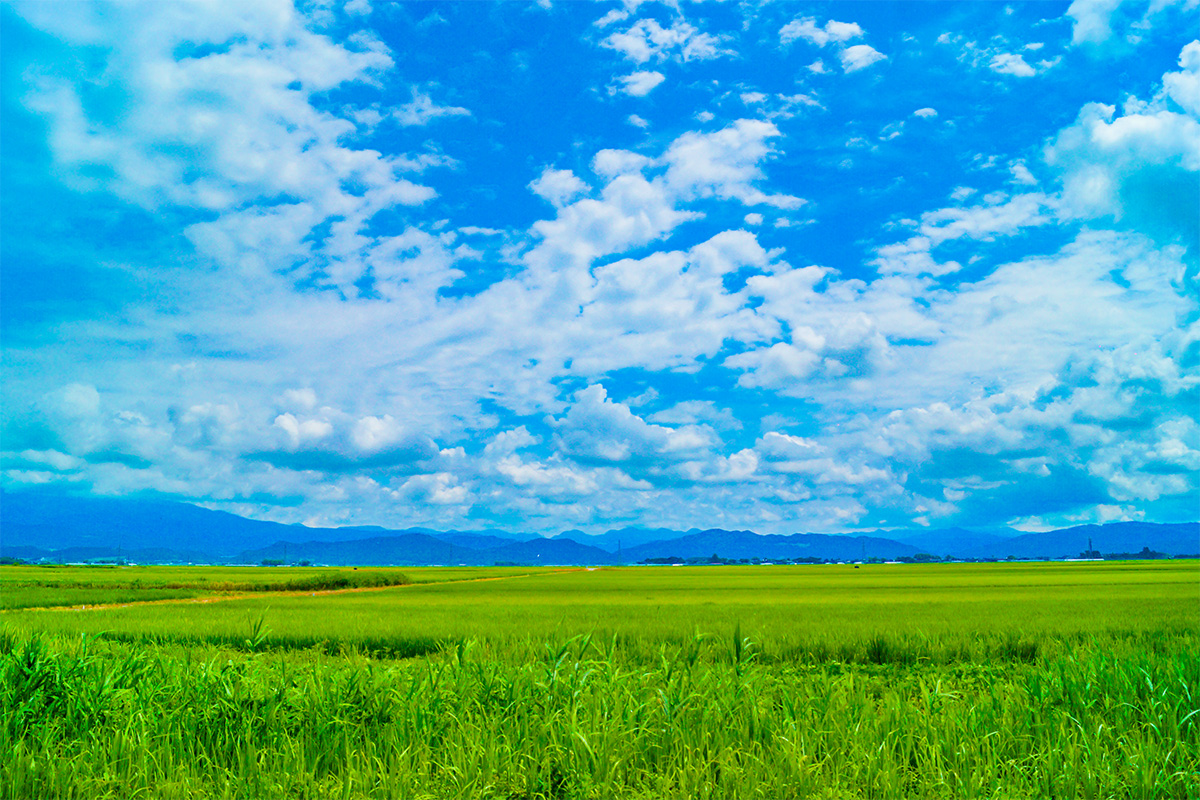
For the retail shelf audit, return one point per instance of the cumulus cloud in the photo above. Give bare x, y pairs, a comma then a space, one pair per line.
366, 360
860, 56
997, 56
647, 40
1183, 87
611, 163
559, 186
776, 367
634, 209
1138, 167
256, 135
853, 57
597, 429
807, 28
724, 164
1093, 21
638, 84
1011, 64
220, 117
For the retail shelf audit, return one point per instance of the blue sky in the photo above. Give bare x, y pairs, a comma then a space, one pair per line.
780, 266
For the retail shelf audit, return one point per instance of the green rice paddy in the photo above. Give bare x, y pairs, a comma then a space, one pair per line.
945, 680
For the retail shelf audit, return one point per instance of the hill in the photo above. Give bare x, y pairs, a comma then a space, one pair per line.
42, 526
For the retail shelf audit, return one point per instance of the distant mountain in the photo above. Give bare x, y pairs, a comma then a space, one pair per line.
624, 538
549, 551
404, 549
747, 544
1114, 537
71, 555
957, 542
36, 525
480, 541
54, 522
414, 549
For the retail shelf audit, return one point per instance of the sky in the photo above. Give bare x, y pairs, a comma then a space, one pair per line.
784, 266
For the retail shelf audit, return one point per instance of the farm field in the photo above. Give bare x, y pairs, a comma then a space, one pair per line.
1033, 680
38, 586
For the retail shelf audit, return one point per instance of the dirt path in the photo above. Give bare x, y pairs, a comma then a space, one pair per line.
243, 595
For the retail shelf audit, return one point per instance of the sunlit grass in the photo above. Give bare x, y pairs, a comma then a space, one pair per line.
1067, 680
38, 586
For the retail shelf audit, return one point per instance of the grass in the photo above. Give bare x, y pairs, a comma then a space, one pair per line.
44, 586
1063, 680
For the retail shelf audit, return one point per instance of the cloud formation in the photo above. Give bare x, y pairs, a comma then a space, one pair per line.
311, 278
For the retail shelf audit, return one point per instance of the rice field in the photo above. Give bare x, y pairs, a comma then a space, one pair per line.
969, 680
54, 585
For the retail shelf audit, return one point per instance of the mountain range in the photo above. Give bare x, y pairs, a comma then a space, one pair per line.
37, 526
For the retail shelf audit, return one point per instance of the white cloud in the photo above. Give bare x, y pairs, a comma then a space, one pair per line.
559, 186
1184, 86
724, 164
995, 56
247, 131
421, 110
1094, 21
638, 122
1011, 64
807, 28
229, 132
1109, 162
753, 98
611, 163
860, 56
597, 429
925, 113
853, 57
647, 41
302, 399
987, 221
302, 432
1021, 174
615, 15
664, 310
902, 365
439, 488
638, 84
780, 365
694, 412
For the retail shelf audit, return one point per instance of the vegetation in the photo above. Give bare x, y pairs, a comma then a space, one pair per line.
44, 586
1063, 680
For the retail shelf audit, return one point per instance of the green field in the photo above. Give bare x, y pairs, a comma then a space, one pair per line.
945, 680
42, 586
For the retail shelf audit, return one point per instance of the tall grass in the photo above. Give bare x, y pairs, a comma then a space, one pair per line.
1101, 717
978, 681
